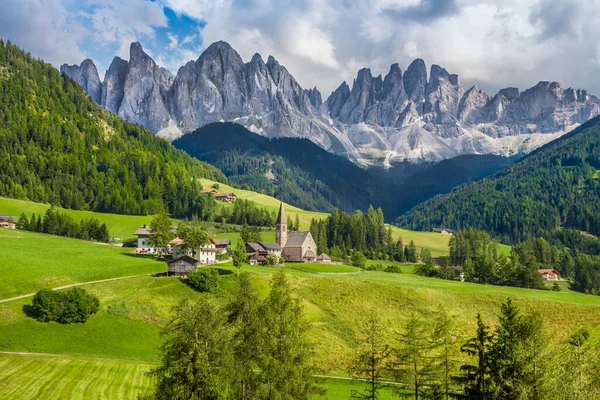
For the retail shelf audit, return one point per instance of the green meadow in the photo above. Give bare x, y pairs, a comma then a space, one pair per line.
123, 339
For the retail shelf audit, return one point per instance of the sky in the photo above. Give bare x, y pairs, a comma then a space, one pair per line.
492, 44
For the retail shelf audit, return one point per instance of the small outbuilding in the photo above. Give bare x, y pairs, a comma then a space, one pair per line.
324, 258
443, 231
181, 266
549, 274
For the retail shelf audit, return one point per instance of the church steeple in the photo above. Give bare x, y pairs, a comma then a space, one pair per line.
281, 227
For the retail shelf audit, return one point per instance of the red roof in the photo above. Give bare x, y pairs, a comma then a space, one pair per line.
544, 271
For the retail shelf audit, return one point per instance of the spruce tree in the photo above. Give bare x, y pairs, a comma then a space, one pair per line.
196, 358
476, 377
283, 363
370, 362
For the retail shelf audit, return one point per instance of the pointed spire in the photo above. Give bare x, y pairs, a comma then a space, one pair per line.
281, 218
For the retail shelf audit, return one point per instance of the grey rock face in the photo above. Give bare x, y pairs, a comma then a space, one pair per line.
376, 121
87, 76
113, 88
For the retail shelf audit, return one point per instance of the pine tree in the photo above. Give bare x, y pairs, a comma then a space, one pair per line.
444, 344
371, 359
476, 378
196, 356
243, 314
283, 364
412, 362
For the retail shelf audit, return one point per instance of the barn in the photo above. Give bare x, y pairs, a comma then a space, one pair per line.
181, 266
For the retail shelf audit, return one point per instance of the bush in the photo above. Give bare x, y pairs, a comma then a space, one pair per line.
205, 279
358, 259
374, 267
425, 270
394, 269
556, 287
66, 307
271, 259
281, 260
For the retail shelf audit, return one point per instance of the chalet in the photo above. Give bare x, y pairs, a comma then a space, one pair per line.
205, 255
549, 274
212, 192
222, 245
143, 242
295, 246
228, 197
258, 251
181, 266
7, 221
443, 231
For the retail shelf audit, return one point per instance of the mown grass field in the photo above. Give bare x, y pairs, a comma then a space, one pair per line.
31, 261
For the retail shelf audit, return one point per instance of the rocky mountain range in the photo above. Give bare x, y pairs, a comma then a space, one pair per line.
410, 115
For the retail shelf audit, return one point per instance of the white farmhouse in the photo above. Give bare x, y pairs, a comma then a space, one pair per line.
207, 254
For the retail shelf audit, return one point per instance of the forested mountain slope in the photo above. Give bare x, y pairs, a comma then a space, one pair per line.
303, 174
58, 146
555, 186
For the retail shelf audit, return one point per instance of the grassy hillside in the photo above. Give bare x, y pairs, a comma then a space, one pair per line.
121, 227
32, 261
126, 330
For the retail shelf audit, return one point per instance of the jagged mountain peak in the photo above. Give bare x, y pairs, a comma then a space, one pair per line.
414, 114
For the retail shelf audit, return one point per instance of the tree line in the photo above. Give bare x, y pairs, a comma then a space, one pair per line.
342, 235
58, 223
515, 360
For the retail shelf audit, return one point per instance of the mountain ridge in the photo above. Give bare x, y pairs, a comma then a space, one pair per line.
412, 115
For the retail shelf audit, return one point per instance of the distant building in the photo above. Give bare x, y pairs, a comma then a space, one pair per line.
181, 266
258, 251
324, 258
205, 255
549, 274
443, 231
209, 191
143, 242
7, 221
228, 197
223, 245
295, 246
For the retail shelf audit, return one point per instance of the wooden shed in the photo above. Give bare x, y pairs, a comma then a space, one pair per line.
181, 266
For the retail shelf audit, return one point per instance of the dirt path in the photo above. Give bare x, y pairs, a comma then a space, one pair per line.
74, 285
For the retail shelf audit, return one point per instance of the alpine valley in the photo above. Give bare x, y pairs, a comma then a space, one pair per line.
409, 115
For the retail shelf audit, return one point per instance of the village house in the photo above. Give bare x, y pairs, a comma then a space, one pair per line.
143, 242
212, 192
181, 266
204, 255
7, 221
222, 245
258, 251
443, 231
228, 197
549, 274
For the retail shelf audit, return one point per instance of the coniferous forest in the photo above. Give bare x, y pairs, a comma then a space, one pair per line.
555, 186
57, 146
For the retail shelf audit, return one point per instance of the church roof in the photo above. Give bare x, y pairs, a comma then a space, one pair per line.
310, 254
270, 245
296, 239
281, 218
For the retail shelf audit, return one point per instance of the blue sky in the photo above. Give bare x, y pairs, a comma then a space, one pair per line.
491, 43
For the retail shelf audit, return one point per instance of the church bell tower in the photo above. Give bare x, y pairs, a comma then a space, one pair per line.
281, 227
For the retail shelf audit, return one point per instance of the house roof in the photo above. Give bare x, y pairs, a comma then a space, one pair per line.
143, 230
176, 242
281, 218
270, 245
6, 218
255, 246
224, 194
296, 239
324, 256
185, 258
223, 242
439, 230
548, 271
310, 253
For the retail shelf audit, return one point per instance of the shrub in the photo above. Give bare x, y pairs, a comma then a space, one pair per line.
281, 260
556, 287
205, 279
425, 270
358, 259
271, 259
394, 269
66, 307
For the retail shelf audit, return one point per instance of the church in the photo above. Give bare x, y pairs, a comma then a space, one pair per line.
292, 246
